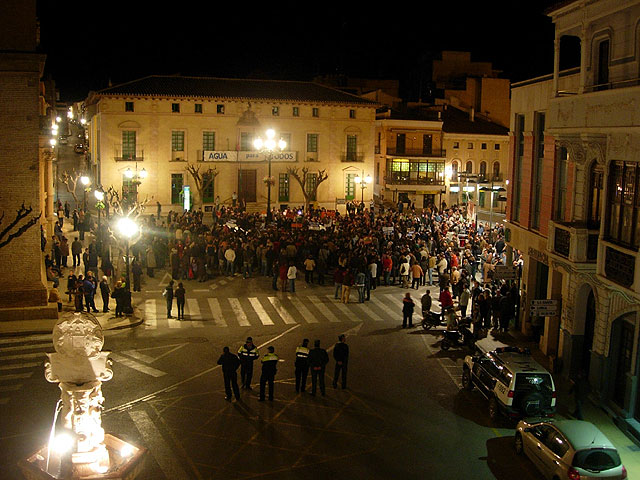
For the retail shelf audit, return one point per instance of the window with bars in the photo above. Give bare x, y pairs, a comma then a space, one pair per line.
310, 186
177, 141
352, 148
129, 145
208, 141
312, 142
283, 187
177, 182
624, 204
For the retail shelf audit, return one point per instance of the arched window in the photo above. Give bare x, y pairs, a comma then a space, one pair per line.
483, 169
454, 168
469, 167
496, 171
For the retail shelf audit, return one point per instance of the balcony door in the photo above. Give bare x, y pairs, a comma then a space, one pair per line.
594, 213
247, 185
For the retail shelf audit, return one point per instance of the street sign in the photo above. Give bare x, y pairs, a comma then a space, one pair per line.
544, 308
505, 272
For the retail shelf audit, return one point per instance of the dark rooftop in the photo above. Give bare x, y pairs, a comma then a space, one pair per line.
229, 88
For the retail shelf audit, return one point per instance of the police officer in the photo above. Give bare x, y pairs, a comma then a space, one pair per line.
341, 356
248, 353
318, 359
302, 365
269, 368
230, 365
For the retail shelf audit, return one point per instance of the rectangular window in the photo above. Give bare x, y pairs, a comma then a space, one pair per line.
177, 141
517, 167
296, 112
315, 111
220, 109
427, 144
246, 141
310, 186
624, 204
483, 146
470, 146
129, 145
128, 106
350, 186
283, 187
352, 113
352, 148
538, 166
129, 189
312, 142
208, 193
401, 143
175, 107
198, 108
287, 140
177, 181
456, 144
496, 146
275, 111
208, 141
560, 187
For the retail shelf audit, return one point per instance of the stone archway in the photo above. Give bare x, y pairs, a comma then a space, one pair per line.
583, 328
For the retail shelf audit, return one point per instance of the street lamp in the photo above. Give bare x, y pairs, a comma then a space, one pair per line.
99, 194
363, 182
86, 181
268, 148
128, 229
136, 177
493, 189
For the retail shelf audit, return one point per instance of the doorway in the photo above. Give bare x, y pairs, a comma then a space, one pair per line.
247, 185
589, 330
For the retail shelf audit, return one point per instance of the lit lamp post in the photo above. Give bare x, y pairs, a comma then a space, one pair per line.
268, 147
86, 181
491, 191
363, 182
99, 194
136, 177
128, 229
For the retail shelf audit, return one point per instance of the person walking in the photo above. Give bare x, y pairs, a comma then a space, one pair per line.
292, 272
341, 356
76, 251
180, 300
247, 353
302, 365
230, 363
89, 290
136, 273
269, 369
347, 282
168, 296
105, 291
407, 310
463, 303
309, 267
318, 359
416, 275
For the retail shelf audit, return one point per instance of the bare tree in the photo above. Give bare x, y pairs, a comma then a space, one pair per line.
203, 180
14, 230
309, 190
124, 208
70, 181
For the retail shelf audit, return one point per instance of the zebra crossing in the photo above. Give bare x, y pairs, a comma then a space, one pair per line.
20, 358
265, 310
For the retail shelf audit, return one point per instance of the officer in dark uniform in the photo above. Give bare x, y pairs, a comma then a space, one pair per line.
302, 365
269, 368
341, 356
230, 364
318, 359
248, 353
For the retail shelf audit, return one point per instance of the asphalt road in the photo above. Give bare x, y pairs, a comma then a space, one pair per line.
403, 413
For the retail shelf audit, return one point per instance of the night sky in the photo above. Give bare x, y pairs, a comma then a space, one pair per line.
86, 48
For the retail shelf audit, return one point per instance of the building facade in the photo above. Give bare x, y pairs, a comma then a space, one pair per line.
170, 125
575, 199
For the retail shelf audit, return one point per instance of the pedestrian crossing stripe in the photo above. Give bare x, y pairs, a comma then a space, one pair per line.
271, 310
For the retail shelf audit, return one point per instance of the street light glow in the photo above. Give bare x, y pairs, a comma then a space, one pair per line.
99, 195
127, 227
85, 180
128, 173
143, 173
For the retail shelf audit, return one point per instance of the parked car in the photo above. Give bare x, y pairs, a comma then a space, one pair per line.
513, 382
572, 449
62, 140
79, 148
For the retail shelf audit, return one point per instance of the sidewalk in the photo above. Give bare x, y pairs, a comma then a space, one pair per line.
628, 450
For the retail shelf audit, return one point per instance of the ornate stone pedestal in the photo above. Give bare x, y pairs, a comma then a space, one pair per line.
80, 366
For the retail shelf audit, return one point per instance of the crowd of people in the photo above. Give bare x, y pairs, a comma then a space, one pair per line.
355, 252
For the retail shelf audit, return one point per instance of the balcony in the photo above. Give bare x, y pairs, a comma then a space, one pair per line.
352, 157
128, 154
574, 241
400, 179
488, 178
416, 152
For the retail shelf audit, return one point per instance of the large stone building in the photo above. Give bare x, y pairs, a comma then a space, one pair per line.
575, 201
166, 124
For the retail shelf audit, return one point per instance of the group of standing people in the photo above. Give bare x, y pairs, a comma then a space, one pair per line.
307, 360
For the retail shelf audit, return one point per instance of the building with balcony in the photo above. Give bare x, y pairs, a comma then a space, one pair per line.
165, 124
574, 199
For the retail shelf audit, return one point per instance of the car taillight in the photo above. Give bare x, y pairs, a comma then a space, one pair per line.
624, 473
572, 474
510, 394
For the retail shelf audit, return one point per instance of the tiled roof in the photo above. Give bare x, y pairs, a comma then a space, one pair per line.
458, 121
229, 88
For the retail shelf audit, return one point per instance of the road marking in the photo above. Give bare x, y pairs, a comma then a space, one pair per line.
324, 308
262, 313
17, 366
15, 376
153, 439
23, 356
371, 313
214, 305
127, 362
164, 280
384, 307
306, 314
240, 315
201, 290
341, 306
286, 316
194, 312
150, 320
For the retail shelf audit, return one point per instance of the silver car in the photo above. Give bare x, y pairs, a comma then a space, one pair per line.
571, 449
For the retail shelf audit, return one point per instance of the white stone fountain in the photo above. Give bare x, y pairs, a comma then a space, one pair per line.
79, 448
